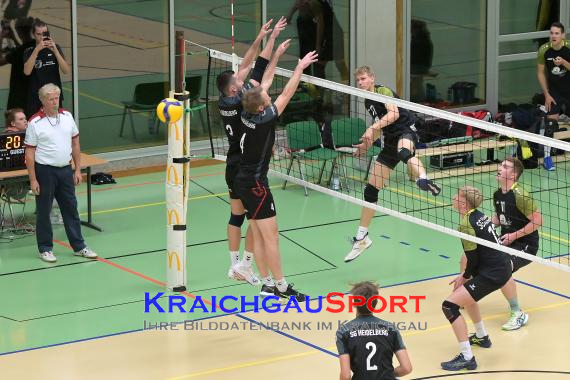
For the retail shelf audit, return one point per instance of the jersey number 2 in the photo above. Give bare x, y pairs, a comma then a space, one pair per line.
372, 347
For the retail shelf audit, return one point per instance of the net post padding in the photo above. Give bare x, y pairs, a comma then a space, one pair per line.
178, 178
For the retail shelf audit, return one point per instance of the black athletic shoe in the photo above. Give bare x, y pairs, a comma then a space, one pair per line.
484, 342
428, 185
458, 363
267, 291
290, 292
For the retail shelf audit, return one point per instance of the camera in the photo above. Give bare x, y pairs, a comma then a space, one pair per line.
46, 35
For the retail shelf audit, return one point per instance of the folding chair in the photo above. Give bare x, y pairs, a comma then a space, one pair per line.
304, 140
145, 99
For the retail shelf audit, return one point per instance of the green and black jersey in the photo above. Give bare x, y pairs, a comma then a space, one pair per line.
377, 110
371, 343
514, 209
558, 76
481, 260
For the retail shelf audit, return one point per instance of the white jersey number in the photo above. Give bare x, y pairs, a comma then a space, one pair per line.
372, 347
241, 143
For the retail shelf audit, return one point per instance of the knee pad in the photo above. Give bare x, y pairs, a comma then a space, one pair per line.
259, 69
236, 220
404, 155
370, 193
450, 310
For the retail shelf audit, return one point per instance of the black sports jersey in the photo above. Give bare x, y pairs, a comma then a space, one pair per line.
257, 143
558, 77
377, 110
513, 209
230, 112
46, 70
371, 343
481, 260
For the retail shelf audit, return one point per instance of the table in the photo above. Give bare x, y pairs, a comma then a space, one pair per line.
87, 161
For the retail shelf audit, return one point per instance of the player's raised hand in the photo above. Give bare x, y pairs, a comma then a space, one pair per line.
265, 29
282, 48
308, 60
279, 27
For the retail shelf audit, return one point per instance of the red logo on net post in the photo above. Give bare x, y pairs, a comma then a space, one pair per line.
382, 304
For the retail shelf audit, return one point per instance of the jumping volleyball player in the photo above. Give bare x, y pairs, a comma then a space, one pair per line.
400, 139
232, 87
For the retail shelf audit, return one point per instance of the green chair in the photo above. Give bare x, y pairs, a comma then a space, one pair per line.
145, 99
347, 132
304, 140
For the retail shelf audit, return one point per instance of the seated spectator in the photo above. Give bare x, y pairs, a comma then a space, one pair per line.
15, 120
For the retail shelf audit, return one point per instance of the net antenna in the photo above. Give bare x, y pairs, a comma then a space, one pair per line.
235, 58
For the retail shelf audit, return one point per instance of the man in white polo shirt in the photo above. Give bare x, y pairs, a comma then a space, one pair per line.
52, 140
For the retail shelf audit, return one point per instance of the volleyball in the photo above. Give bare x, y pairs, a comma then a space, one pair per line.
169, 110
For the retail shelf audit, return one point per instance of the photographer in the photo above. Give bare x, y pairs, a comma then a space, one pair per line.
42, 64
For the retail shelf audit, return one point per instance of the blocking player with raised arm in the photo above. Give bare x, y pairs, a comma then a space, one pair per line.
232, 87
366, 345
519, 218
486, 270
400, 139
260, 117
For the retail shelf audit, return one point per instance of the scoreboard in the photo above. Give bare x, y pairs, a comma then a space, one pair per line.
12, 152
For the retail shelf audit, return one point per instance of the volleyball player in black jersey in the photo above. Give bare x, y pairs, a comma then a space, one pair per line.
487, 270
259, 117
366, 345
519, 218
396, 124
232, 87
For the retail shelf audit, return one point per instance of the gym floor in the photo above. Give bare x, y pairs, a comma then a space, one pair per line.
84, 319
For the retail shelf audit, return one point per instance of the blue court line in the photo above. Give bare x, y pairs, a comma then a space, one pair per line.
424, 250
385, 236
289, 336
198, 319
544, 289
405, 243
445, 257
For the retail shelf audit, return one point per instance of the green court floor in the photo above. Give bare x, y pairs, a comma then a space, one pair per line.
76, 299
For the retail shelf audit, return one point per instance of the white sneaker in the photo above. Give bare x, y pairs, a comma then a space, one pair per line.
233, 275
516, 321
358, 246
247, 273
87, 253
48, 257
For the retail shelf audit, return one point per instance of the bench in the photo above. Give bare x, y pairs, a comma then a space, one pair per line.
475, 145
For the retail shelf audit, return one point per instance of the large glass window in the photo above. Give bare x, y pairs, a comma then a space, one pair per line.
321, 25
209, 24
522, 16
16, 37
511, 88
448, 52
123, 71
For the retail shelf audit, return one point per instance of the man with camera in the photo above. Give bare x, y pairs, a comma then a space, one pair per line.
42, 64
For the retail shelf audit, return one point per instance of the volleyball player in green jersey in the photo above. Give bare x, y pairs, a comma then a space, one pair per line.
486, 270
553, 66
519, 218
